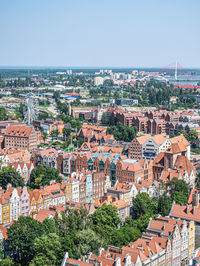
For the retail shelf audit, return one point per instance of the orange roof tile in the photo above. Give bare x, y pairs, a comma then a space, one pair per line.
179, 139
184, 212
18, 131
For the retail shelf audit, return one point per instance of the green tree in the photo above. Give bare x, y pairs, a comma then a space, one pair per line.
42, 176
143, 204
86, 241
104, 221
7, 262
180, 198
66, 133
3, 114
48, 250
49, 226
164, 205
192, 136
8, 174
125, 235
21, 236
72, 221
142, 222
179, 190
44, 136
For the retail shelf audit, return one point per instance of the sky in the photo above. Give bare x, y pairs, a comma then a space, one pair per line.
100, 33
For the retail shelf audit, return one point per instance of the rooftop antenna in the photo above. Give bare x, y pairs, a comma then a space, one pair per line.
176, 68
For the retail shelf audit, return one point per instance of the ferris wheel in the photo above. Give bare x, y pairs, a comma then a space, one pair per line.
30, 108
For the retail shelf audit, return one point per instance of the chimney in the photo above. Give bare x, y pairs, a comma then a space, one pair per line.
195, 199
187, 208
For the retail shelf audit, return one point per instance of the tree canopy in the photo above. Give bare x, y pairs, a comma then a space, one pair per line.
105, 220
179, 190
143, 204
121, 132
48, 250
42, 176
21, 236
3, 114
8, 174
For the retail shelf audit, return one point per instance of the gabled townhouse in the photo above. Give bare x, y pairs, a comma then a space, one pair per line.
24, 201
64, 162
90, 133
88, 188
150, 251
67, 189
189, 212
81, 161
75, 187
129, 170
5, 211
12, 195
56, 195
46, 199
124, 191
47, 157
113, 256
98, 183
82, 190
179, 233
183, 169
24, 169
135, 147
36, 200
154, 145
12, 156
148, 146
147, 187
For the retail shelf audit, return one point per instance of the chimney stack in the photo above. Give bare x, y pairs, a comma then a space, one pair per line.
195, 199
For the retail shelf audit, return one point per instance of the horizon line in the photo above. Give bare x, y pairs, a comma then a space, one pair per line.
93, 67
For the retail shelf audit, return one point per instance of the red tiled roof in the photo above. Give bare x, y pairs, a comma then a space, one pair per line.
78, 262
19, 131
176, 148
44, 214
186, 212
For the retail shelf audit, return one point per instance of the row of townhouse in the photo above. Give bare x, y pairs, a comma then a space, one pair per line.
189, 212
148, 146
20, 160
69, 162
171, 161
14, 202
85, 187
167, 242
155, 122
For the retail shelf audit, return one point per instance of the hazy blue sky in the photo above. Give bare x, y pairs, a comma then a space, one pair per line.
140, 33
